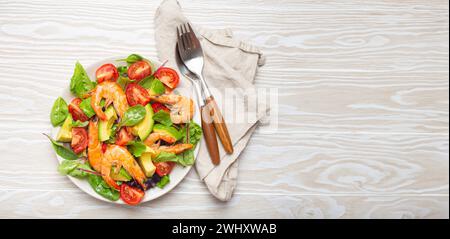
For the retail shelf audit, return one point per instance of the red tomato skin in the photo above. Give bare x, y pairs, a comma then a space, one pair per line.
79, 139
76, 112
168, 77
164, 168
130, 195
136, 95
124, 136
139, 70
104, 147
158, 106
107, 72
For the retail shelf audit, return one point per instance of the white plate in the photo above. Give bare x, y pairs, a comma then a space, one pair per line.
177, 174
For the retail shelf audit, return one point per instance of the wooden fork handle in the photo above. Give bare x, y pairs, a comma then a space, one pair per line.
210, 135
220, 125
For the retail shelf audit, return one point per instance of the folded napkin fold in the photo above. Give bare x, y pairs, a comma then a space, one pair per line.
230, 68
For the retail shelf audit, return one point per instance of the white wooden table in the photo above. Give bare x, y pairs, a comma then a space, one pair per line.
364, 97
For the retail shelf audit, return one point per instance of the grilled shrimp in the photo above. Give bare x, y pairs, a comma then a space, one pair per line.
176, 149
181, 108
119, 157
153, 137
95, 154
111, 92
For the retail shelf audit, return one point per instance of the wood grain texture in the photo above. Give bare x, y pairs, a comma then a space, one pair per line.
363, 127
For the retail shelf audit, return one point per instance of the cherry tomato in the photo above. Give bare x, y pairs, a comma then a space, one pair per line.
130, 195
158, 106
107, 72
79, 139
168, 77
123, 136
164, 168
136, 94
104, 146
76, 112
139, 70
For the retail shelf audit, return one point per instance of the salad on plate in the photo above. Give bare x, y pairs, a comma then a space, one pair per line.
126, 131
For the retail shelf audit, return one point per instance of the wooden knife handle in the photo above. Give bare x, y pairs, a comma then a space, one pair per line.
220, 125
210, 135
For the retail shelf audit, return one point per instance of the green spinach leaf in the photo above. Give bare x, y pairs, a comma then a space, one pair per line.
132, 58
155, 86
80, 84
164, 181
186, 158
71, 168
102, 188
133, 116
62, 151
59, 112
136, 148
163, 118
123, 70
146, 82
80, 173
67, 166
86, 107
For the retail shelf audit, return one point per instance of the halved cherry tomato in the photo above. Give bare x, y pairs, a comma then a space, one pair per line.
123, 136
79, 139
136, 94
158, 106
107, 72
76, 112
168, 77
130, 195
139, 70
164, 168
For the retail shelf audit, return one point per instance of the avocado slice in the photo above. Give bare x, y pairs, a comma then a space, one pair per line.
145, 161
104, 126
145, 127
65, 133
122, 175
168, 132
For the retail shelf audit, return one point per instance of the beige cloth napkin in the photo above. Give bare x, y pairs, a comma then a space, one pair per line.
230, 66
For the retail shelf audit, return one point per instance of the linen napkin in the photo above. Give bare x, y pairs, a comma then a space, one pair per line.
230, 68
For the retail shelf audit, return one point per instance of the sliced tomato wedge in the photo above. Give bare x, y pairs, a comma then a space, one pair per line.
79, 139
158, 106
130, 195
107, 72
164, 168
139, 70
76, 112
168, 77
136, 94
124, 136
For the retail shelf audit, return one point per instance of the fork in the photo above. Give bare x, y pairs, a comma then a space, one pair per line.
191, 53
208, 127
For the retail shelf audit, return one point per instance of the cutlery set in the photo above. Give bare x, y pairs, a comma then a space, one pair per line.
190, 62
